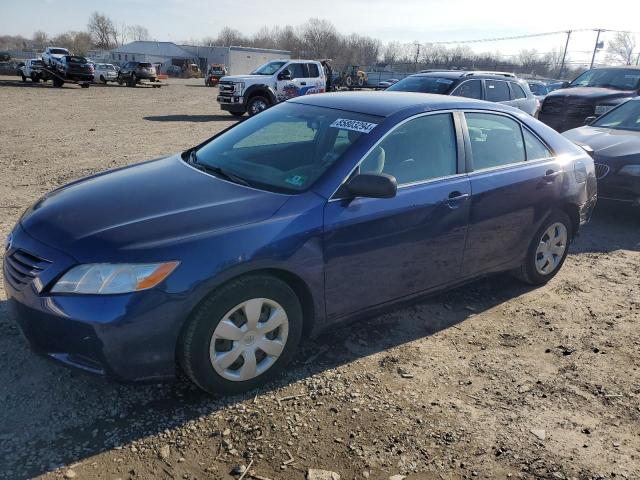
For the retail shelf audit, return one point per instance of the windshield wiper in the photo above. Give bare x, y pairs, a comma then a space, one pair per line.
217, 171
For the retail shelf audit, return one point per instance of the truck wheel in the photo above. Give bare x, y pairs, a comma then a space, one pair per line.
35, 78
360, 82
24, 79
57, 82
256, 105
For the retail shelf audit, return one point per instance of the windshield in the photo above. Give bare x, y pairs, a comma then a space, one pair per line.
625, 117
268, 68
59, 51
422, 84
617, 78
288, 147
538, 89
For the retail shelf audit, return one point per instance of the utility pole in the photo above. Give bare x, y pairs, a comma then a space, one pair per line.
595, 47
638, 59
564, 55
417, 45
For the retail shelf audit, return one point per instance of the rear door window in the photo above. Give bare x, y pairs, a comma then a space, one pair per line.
497, 91
517, 92
297, 70
469, 89
496, 140
314, 72
535, 148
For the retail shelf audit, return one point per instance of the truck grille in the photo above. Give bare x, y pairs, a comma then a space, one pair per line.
226, 88
23, 267
567, 106
601, 170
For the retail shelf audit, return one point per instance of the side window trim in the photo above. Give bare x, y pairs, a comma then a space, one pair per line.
469, 153
461, 151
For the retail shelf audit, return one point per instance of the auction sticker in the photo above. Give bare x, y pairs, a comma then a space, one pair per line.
355, 125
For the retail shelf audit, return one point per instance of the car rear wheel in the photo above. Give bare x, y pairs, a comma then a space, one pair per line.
242, 335
547, 251
256, 105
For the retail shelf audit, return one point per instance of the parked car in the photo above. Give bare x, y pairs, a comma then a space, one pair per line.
498, 87
52, 55
319, 209
105, 72
18, 67
615, 141
174, 71
214, 73
273, 82
594, 92
32, 69
539, 89
132, 72
74, 67
387, 83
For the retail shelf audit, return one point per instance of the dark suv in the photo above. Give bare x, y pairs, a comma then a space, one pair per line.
132, 72
73, 67
492, 86
591, 94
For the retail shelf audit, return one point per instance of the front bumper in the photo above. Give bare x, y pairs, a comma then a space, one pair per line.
130, 337
231, 103
620, 188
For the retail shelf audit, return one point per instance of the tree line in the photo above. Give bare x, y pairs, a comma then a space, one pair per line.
319, 39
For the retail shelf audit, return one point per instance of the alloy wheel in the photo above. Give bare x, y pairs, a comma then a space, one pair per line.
249, 339
551, 248
258, 106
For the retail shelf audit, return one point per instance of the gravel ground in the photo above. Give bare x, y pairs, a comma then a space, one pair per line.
491, 380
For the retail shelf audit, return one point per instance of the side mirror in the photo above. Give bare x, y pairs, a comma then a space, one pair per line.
372, 185
564, 85
590, 120
284, 75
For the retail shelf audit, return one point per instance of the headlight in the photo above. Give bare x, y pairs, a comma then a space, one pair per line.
633, 170
238, 87
109, 278
602, 109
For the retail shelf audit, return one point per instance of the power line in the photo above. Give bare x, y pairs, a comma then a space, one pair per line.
529, 35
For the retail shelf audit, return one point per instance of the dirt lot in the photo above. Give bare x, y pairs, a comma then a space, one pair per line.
492, 380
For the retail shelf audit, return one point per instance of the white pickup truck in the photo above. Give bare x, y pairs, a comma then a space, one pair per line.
32, 69
273, 82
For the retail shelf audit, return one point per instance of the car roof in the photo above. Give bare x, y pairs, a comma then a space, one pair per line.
455, 74
385, 104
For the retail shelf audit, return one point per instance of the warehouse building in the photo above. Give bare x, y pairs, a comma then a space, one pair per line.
238, 60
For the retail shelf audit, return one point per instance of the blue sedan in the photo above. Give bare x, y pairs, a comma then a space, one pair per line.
222, 258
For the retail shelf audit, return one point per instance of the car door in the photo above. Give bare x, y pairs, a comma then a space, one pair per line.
291, 87
314, 82
379, 250
515, 182
498, 91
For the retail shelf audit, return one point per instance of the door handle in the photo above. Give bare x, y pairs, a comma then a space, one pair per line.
455, 198
550, 176
303, 83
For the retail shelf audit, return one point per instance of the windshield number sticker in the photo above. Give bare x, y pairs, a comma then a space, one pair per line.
355, 125
297, 180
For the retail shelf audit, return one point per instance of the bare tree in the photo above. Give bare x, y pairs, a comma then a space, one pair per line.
621, 47
40, 39
320, 39
138, 33
391, 52
102, 30
229, 36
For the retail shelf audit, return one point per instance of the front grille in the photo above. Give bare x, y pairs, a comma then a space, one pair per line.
568, 107
601, 170
553, 105
23, 267
226, 88
580, 109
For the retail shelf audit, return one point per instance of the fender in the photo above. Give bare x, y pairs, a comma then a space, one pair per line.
263, 89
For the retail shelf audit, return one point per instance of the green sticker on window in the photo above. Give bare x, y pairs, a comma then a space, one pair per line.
297, 180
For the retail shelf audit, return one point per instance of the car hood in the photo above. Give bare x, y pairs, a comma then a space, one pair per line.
593, 94
244, 78
609, 145
156, 203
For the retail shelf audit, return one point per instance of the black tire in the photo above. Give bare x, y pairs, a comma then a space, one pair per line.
103, 80
24, 79
528, 272
194, 342
237, 114
35, 79
132, 81
57, 82
253, 106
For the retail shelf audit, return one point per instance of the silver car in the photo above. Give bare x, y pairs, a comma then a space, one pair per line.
500, 87
105, 72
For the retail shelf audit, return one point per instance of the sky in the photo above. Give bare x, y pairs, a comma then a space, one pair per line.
388, 20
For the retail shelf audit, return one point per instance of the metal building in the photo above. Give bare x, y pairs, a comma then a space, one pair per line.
238, 60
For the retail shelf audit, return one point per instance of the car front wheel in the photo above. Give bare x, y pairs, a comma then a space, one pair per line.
242, 335
547, 251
